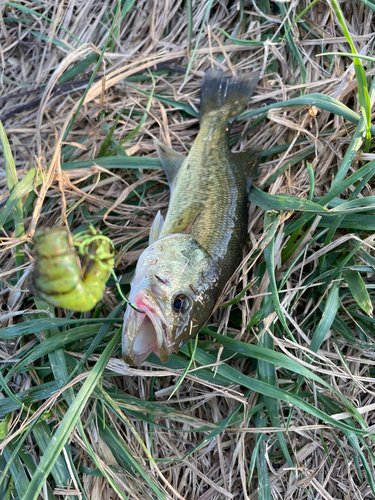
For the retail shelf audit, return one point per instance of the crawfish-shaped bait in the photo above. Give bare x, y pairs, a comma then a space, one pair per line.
67, 278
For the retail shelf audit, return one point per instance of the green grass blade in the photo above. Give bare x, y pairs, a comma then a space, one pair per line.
358, 289
107, 141
21, 189
363, 95
37, 325
238, 41
292, 44
348, 54
281, 202
27, 398
329, 314
355, 145
181, 379
17, 471
189, 110
319, 100
189, 14
132, 162
264, 485
53, 343
59, 471
369, 4
12, 180
205, 19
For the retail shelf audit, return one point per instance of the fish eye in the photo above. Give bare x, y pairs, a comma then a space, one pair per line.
181, 303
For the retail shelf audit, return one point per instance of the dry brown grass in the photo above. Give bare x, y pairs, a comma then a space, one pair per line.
35, 55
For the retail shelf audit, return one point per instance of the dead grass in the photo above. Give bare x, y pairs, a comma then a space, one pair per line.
36, 53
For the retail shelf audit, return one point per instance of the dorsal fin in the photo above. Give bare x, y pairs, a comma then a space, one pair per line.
249, 161
156, 228
171, 161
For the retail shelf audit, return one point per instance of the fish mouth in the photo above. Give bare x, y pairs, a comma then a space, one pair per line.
145, 331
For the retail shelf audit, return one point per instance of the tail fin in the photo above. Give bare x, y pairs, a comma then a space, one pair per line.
226, 94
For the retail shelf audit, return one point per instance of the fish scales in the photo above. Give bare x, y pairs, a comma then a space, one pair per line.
211, 187
194, 252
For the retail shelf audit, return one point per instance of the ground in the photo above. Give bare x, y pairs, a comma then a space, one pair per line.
275, 401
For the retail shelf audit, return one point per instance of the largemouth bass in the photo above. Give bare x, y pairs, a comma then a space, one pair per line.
195, 251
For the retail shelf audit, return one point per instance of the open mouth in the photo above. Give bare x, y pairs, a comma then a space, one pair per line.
145, 332
146, 340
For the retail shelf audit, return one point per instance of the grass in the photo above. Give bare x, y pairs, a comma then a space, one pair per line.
274, 399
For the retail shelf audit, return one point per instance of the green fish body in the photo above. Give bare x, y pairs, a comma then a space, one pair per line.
195, 251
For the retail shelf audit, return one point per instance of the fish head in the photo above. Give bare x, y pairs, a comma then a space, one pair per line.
174, 291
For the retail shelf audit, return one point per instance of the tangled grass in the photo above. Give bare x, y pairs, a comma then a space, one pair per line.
276, 399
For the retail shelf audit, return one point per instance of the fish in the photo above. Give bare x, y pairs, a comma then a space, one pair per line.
193, 253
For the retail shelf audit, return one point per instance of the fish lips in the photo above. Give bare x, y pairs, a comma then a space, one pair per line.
146, 330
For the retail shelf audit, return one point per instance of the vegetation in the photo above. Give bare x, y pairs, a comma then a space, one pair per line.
274, 399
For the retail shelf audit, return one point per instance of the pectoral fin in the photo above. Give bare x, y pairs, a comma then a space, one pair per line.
249, 161
156, 228
171, 161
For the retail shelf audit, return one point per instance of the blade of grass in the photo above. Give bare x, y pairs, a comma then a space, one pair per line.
181, 379
205, 19
12, 181
107, 141
21, 189
369, 4
189, 15
292, 44
132, 162
363, 95
33, 13
349, 54
266, 371
329, 314
319, 100
358, 289
355, 144
51, 344
17, 470
37, 325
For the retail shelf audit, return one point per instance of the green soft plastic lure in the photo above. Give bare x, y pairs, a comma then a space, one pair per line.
72, 273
